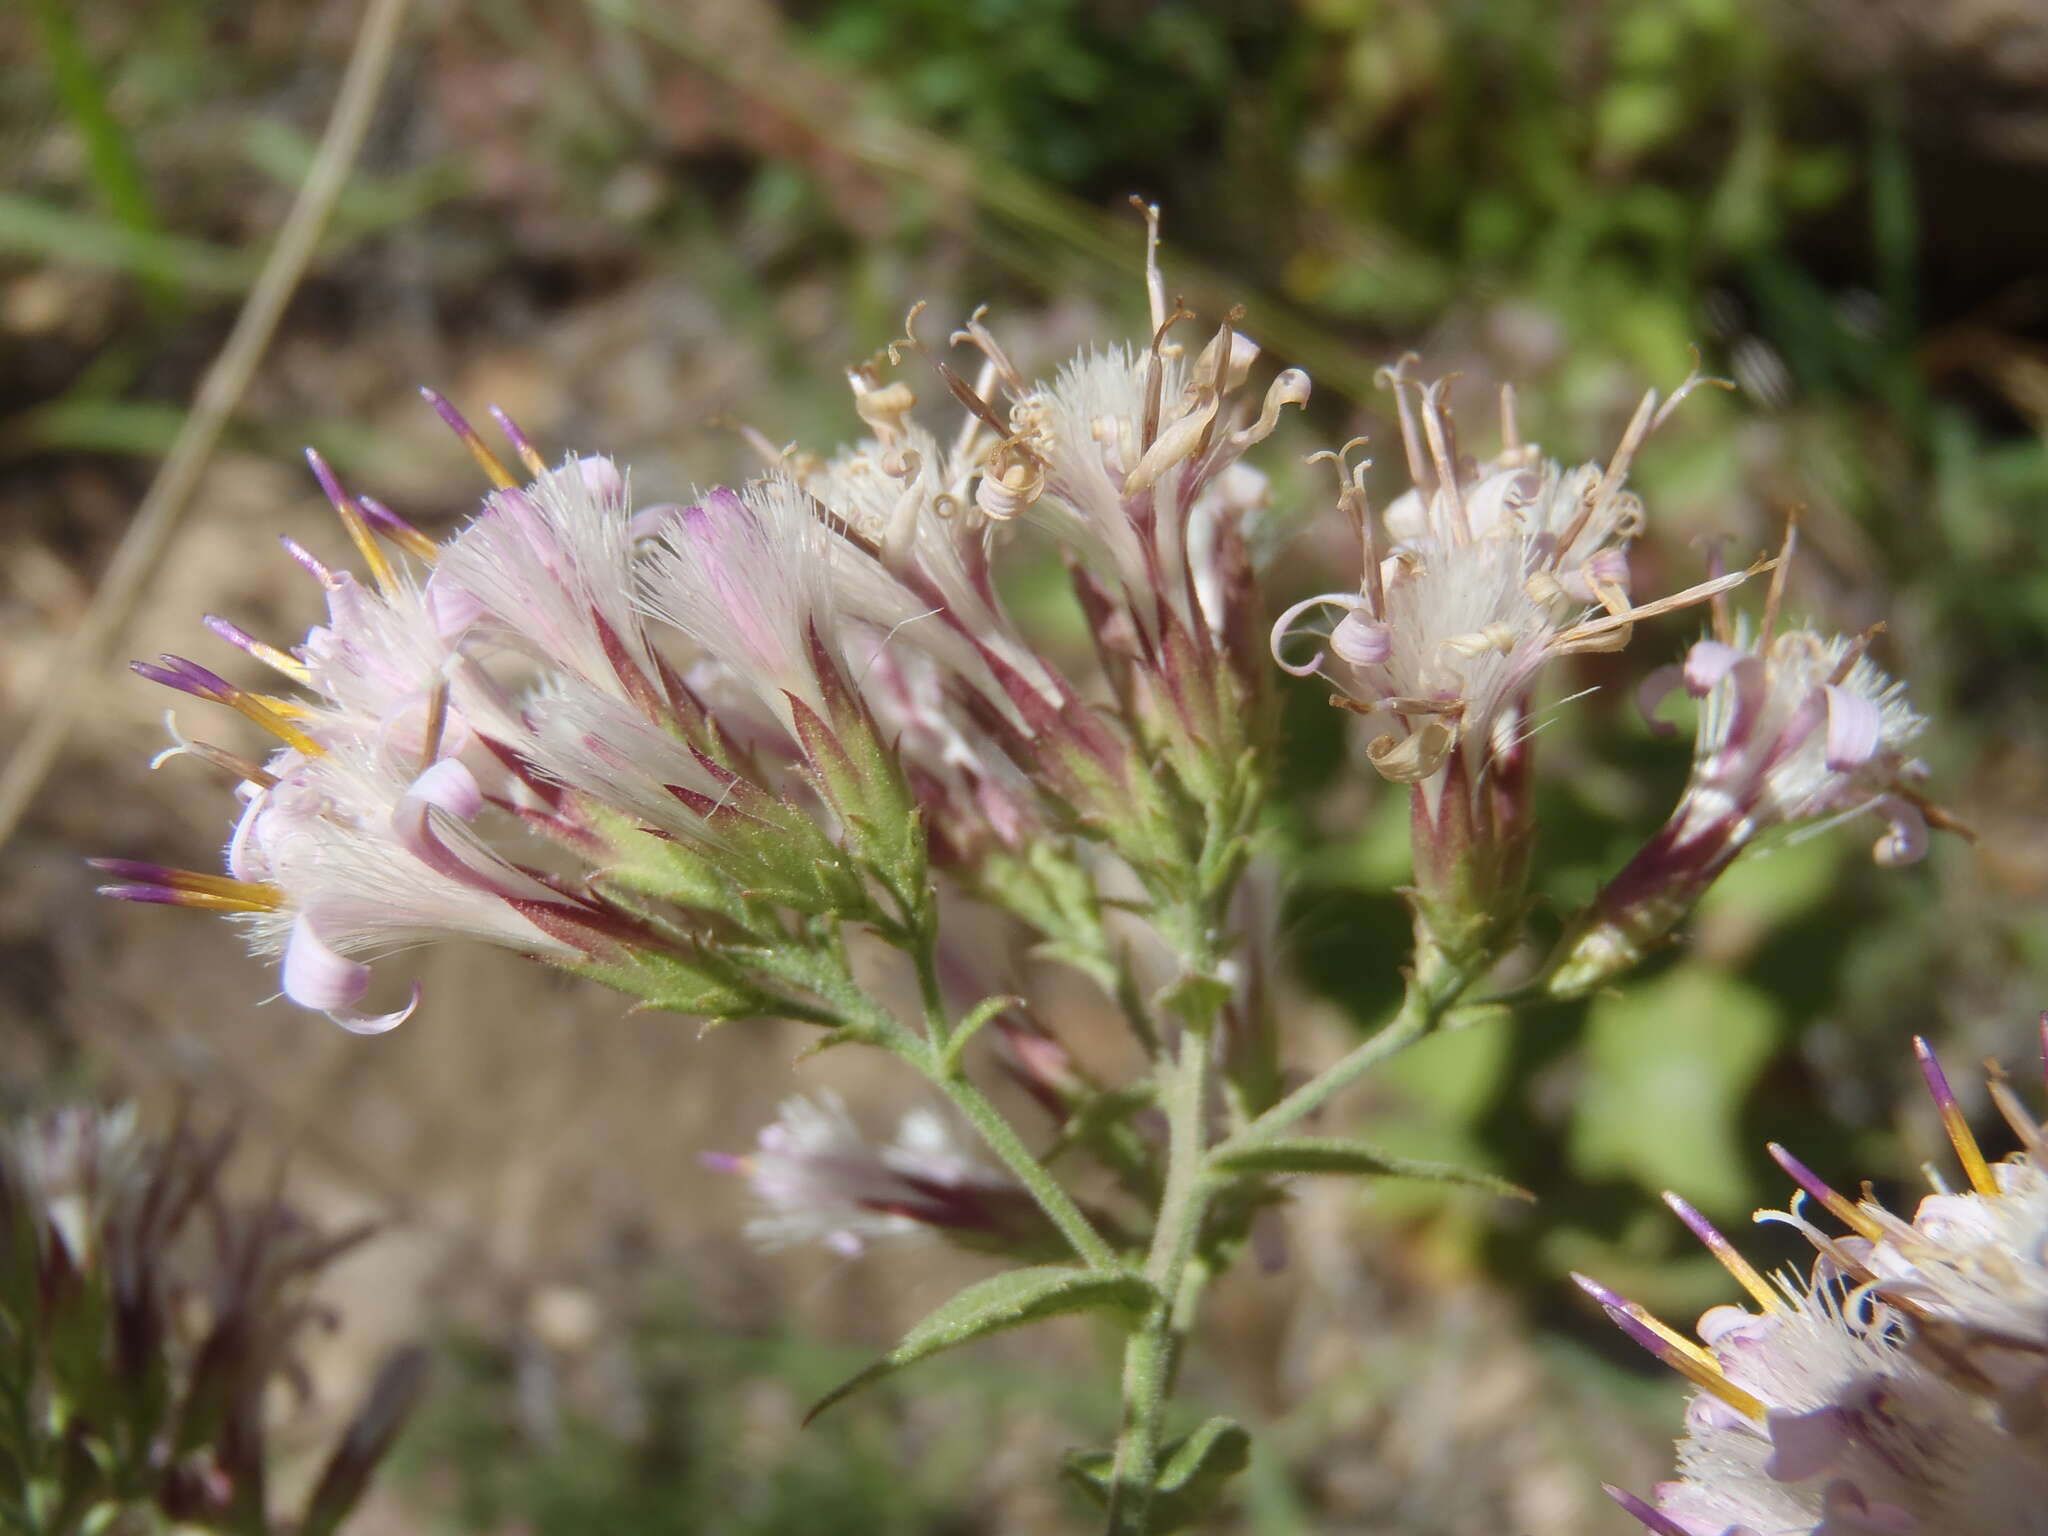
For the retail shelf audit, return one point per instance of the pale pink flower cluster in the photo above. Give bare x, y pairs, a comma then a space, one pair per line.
818, 1178
1797, 730
1896, 1390
714, 701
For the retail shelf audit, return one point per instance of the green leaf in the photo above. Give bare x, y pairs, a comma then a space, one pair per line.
1193, 1472
1002, 1301
982, 1012
1668, 1065
1328, 1154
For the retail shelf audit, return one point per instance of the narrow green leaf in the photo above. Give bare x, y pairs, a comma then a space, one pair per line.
1192, 1475
983, 1011
41, 231
109, 152
1002, 1301
1321, 1154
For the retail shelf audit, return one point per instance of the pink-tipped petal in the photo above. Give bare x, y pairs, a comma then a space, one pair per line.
601, 478
1360, 641
652, 522
1805, 1445
1855, 729
1651, 693
454, 608
1707, 663
452, 787
1281, 626
377, 1023
316, 977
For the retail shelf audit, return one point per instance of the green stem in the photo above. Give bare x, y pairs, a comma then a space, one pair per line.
1153, 1352
1003, 1140
1433, 990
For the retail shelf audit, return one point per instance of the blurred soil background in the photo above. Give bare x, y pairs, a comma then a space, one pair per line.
626, 224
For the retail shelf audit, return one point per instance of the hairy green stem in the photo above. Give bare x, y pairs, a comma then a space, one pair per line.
1153, 1352
1003, 1140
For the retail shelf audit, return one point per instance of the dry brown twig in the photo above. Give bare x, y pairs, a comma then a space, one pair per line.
156, 521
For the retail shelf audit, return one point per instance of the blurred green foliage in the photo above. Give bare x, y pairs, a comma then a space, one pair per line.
715, 1444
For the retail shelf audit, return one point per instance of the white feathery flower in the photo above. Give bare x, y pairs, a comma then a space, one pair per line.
746, 576
820, 1179
1899, 1389
550, 569
366, 863
1489, 573
1794, 727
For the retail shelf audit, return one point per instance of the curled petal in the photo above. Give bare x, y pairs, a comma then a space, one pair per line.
1707, 663
1905, 840
452, 607
602, 479
1653, 690
1360, 641
1413, 758
376, 1023
1286, 621
1290, 386
652, 522
452, 787
316, 977
1855, 729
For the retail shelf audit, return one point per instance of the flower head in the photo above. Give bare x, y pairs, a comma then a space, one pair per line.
1480, 577
1898, 1388
818, 1178
1796, 728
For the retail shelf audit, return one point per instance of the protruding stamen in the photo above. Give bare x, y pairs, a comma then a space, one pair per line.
398, 530
487, 461
1510, 427
1776, 595
1859, 1222
351, 517
2016, 1114
1721, 621
1952, 1121
269, 655
1614, 1301
1443, 451
1853, 653
165, 886
1155, 286
1576, 637
1396, 378
437, 724
308, 559
190, 677
1745, 1274
219, 757
1704, 1375
1692, 381
1155, 374
1653, 1520
522, 445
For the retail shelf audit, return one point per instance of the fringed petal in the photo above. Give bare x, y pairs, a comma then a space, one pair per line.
1855, 729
